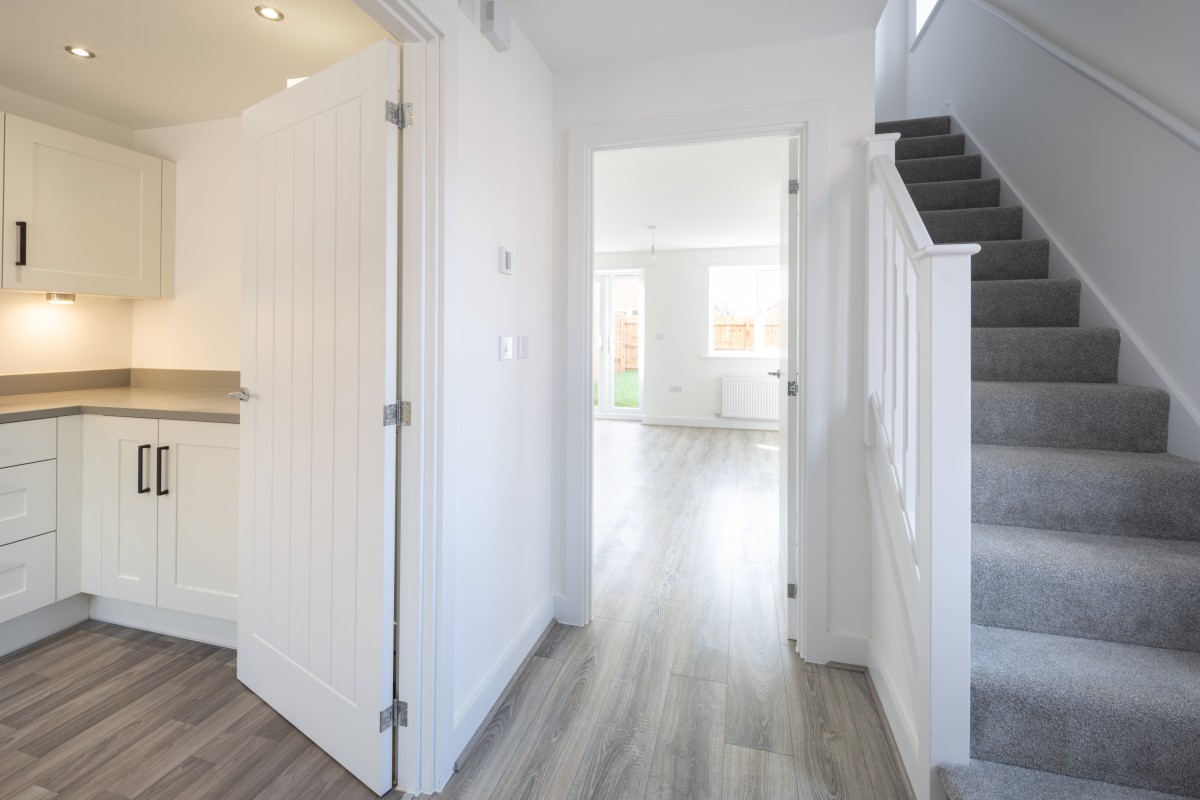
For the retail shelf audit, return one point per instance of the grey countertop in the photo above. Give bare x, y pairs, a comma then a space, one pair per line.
197, 405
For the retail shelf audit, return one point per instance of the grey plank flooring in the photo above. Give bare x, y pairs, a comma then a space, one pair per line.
680, 688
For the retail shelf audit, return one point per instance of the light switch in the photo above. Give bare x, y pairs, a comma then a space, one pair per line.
506, 348
522, 347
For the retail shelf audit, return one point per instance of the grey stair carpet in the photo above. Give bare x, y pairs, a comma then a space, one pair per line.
1086, 532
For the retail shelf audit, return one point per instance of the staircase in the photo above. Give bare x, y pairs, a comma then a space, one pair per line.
1085, 673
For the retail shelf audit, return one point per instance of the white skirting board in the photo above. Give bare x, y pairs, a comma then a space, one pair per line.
46, 621
209, 630
715, 422
851, 650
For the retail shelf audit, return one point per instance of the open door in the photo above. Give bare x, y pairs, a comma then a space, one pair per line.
317, 531
789, 403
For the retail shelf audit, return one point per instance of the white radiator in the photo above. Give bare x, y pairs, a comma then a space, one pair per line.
750, 398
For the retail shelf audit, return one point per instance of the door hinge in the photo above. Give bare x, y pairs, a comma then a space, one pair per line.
397, 414
793, 186
395, 715
793, 388
399, 114
791, 591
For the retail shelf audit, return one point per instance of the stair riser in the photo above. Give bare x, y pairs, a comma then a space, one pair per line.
973, 224
1011, 261
1046, 355
1156, 502
1031, 415
930, 146
1025, 304
1040, 590
941, 195
922, 126
1095, 741
949, 168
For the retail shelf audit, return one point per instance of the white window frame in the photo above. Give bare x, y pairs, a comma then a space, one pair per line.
759, 317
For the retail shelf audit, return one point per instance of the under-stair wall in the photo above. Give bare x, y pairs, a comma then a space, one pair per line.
1115, 187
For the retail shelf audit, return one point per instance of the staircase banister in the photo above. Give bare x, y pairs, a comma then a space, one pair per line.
912, 228
939, 250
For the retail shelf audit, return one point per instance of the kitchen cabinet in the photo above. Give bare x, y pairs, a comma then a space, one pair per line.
27, 516
84, 216
162, 527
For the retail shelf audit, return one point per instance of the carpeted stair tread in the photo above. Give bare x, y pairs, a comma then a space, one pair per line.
921, 126
1074, 355
1040, 303
987, 780
1101, 710
1156, 495
1094, 416
939, 195
1115, 588
942, 168
973, 224
1015, 259
948, 144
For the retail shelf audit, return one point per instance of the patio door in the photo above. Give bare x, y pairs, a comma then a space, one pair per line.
618, 306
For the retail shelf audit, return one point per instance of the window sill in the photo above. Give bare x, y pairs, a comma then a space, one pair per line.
745, 354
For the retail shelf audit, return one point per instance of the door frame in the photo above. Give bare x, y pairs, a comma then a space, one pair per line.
811, 366
428, 33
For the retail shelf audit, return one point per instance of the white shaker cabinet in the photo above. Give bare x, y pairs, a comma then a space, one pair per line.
166, 529
27, 517
84, 216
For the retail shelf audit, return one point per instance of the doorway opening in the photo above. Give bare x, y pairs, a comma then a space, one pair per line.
692, 254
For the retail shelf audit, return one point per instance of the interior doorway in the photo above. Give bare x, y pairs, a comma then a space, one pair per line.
693, 249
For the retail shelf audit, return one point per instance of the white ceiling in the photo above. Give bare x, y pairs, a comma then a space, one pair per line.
576, 34
166, 62
722, 194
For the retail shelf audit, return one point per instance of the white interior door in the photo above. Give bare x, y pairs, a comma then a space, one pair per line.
790, 354
317, 527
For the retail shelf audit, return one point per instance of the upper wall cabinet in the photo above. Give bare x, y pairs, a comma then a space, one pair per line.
84, 216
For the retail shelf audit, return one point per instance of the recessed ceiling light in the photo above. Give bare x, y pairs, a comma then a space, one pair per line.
82, 52
60, 298
269, 13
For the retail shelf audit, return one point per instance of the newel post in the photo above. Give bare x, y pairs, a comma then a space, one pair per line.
878, 146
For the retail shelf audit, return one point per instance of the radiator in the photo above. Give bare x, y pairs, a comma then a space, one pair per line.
750, 398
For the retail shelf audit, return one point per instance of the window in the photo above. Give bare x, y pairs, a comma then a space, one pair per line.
744, 306
922, 9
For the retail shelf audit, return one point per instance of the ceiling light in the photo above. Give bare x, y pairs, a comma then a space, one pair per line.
653, 245
60, 298
269, 13
82, 52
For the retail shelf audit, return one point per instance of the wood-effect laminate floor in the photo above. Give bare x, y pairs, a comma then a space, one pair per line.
684, 686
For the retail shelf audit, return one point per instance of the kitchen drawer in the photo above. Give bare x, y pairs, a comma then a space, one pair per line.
27, 501
26, 576
25, 442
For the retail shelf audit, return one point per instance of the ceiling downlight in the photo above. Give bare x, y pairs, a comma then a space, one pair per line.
79, 52
269, 13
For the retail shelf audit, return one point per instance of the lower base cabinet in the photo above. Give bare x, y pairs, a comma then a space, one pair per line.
166, 529
26, 576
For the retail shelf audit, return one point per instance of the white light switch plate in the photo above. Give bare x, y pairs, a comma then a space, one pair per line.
506, 348
522, 347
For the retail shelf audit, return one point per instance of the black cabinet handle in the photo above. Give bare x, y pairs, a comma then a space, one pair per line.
20, 244
142, 448
158, 468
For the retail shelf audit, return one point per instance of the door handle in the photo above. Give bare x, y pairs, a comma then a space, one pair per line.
21, 244
142, 448
159, 470
774, 373
242, 394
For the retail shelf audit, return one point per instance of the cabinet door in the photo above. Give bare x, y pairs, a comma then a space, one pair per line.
119, 474
197, 517
92, 214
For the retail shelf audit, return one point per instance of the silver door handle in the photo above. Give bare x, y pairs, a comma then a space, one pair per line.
242, 394
774, 373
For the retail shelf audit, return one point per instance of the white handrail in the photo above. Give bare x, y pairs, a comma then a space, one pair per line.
918, 430
1185, 132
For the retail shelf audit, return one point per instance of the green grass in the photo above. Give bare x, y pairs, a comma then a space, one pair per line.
625, 390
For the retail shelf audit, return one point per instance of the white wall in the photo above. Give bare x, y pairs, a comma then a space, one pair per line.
677, 309
840, 72
1116, 193
497, 488
95, 332
199, 328
891, 61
